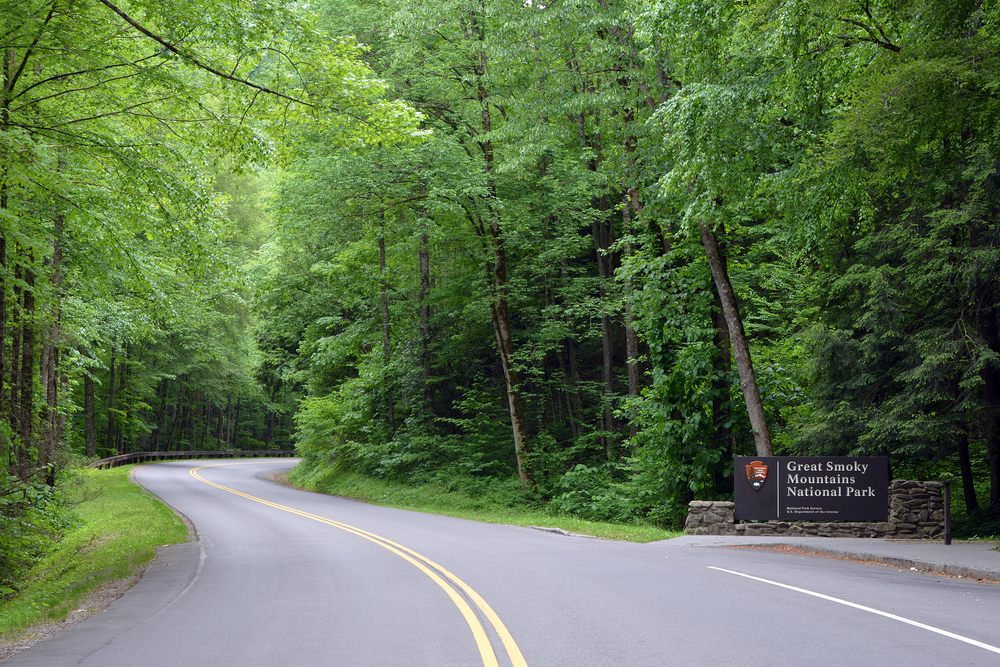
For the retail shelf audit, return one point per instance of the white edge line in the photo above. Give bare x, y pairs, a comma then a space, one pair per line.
918, 624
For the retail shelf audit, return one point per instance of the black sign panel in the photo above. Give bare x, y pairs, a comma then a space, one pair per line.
812, 488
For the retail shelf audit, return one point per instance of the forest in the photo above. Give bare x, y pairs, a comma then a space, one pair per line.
577, 254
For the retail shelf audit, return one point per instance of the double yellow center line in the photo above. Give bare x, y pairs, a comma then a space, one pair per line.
439, 575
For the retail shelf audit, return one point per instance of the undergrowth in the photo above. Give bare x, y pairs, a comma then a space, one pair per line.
984, 523
480, 499
119, 526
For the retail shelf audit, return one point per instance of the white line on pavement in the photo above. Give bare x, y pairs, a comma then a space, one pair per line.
923, 626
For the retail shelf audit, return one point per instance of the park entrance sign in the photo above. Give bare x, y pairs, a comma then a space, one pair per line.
812, 488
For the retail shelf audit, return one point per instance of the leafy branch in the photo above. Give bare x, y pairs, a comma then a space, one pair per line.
191, 58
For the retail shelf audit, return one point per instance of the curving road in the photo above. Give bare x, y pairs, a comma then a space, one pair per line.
284, 578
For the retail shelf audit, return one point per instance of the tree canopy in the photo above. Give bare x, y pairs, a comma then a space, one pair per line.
579, 253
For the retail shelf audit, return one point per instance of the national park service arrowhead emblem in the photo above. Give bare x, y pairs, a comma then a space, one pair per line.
756, 473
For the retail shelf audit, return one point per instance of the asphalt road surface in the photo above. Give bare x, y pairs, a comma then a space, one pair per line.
285, 578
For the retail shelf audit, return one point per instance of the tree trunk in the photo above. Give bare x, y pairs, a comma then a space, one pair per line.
630, 200
112, 385
61, 423
3, 300
123, 388
44, 370
161, 413
574, 375
50, 369
720, 401
386, 336
500, 317
191, 415
14, 415
5, 100
519, 422
741, 348
177, 418
989, 331
425, 317
229, 419
218, 430
568, 394
965, 466
631, 337
236, 422
602, 241
255, 423
50, 377
632, 350
144, 441
27, 368
204, 417
90, 428
269, 420
499, 309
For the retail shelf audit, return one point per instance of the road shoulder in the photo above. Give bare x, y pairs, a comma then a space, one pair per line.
977, 560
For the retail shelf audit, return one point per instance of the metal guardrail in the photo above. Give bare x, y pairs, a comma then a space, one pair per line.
139, 457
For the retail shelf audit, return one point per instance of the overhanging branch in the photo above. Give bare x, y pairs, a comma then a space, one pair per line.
195, 61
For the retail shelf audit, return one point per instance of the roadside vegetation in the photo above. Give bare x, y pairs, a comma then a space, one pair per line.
983, 524
570, 258
489, 502
113, 527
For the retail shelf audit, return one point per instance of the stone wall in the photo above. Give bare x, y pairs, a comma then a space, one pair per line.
916, 511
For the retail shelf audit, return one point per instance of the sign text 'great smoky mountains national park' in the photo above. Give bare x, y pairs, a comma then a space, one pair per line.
811, 488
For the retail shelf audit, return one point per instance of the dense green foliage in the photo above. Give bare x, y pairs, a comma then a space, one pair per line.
486, 281
493, 246
132, 142
31, 522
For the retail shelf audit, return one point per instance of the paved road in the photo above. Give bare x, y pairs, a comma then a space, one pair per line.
283, 578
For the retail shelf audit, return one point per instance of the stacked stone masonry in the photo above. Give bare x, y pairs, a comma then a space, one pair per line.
916, 511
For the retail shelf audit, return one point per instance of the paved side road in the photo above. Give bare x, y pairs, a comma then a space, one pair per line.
969, 560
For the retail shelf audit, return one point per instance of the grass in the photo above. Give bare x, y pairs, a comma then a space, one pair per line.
435, 500
120, 526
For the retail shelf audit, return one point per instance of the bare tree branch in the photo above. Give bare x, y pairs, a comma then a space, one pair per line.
873, 38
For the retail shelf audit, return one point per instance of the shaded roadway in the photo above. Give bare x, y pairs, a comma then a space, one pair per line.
269, 583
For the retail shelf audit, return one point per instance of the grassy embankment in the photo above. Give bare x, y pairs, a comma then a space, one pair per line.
120, 526
434, 500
